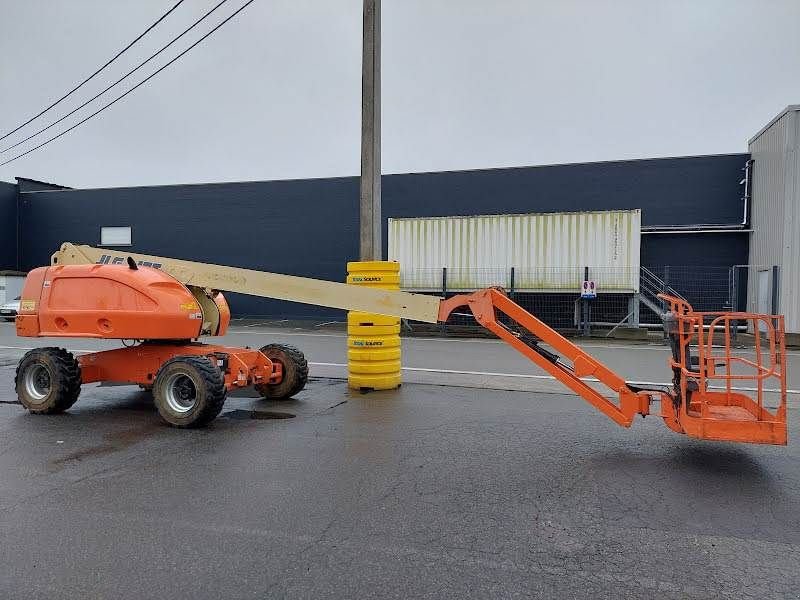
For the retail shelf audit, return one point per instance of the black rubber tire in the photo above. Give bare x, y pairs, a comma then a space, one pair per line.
295, 372
64, 374
209, 391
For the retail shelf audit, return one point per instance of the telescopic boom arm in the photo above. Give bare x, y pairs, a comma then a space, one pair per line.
266, 285
567, 362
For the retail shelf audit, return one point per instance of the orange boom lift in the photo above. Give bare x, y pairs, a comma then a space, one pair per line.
164, 305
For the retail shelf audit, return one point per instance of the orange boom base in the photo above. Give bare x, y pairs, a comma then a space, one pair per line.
161, 317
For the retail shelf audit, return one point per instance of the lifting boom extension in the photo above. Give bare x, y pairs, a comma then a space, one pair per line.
688, 405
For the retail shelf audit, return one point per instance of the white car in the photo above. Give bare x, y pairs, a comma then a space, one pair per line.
9, 310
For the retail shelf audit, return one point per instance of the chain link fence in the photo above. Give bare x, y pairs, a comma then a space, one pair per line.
624, 300
705, 288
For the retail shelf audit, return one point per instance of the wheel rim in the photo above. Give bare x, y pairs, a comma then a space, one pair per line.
37, 382
180, 393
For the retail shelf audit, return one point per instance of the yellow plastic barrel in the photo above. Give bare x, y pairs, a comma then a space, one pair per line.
373, 341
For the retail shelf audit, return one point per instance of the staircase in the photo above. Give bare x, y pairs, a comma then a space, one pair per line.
650, 285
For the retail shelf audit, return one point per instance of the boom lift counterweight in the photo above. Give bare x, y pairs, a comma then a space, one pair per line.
167, 303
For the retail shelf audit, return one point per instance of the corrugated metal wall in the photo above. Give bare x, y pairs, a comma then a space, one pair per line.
790, 271
767, 211
548, 251
775, 212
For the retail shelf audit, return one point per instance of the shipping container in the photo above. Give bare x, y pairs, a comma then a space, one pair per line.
548, 251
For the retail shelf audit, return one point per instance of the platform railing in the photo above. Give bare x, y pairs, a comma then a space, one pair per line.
710, 335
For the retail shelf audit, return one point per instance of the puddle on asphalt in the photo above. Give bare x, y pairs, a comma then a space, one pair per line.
240, 414
120, 440
114, 443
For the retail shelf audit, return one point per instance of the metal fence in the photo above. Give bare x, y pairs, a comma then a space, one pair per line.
542, 279
706, 288
559, 303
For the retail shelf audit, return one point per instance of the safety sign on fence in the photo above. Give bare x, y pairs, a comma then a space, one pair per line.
588, 290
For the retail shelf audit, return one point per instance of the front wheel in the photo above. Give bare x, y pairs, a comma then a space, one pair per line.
295, 372
189, 391
48, 381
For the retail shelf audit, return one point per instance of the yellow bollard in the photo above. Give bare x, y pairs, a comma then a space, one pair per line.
373, 341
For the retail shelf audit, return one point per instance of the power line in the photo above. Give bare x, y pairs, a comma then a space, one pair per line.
77, 87
121, 79
120, 97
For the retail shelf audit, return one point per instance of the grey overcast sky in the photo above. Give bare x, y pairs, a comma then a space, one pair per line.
275, 93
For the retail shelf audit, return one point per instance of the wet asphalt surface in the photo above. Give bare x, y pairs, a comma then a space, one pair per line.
481, 363
427, 492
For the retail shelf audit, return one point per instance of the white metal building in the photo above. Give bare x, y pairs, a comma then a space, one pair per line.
775, 218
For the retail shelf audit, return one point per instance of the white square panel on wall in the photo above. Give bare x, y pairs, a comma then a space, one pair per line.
115, 236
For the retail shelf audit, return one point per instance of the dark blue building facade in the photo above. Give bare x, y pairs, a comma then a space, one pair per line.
8, 226
310, 227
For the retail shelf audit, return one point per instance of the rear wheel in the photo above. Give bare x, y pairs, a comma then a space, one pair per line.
295, 372
189, 391
48, 380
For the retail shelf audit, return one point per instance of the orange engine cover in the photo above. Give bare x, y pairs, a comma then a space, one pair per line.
109, 301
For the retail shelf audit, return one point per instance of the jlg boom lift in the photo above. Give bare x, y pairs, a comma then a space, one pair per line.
165, 305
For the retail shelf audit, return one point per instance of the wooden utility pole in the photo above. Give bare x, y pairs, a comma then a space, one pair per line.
371, 247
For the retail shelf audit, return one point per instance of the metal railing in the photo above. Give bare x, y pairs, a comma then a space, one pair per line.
624, 299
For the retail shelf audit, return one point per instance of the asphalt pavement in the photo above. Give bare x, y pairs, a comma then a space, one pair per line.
432, 491
482, 363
